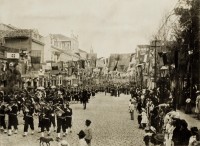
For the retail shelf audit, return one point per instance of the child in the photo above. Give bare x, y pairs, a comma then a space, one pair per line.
144, 118
88, 132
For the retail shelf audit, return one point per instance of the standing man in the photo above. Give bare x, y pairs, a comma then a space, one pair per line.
12, 117
68, 113
84, 98
2, 117
45, 120
28, 118
52, 115
61, 119
131, 109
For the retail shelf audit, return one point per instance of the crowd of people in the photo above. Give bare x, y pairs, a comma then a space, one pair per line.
51, 106
161, 121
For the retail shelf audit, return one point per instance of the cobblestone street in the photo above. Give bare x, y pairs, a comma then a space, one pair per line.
111, 125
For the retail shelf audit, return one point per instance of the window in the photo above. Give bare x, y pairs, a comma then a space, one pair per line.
35, 56
36, 53
55, 43
12, 55
63, 44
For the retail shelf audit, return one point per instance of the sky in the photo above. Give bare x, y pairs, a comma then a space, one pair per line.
106, 26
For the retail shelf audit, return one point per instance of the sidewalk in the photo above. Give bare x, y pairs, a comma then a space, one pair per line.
190, 119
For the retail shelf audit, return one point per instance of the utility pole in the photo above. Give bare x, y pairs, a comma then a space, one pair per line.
154, 45
198, 49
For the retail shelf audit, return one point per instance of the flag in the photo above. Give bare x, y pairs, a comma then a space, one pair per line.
115, 68
145, 58
35, 60
131, 58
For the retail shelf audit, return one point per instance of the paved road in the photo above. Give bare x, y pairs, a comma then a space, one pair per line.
111, 125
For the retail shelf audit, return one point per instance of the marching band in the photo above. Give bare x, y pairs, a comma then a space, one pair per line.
51, 106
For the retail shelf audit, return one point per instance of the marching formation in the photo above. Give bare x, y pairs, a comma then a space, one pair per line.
51, 106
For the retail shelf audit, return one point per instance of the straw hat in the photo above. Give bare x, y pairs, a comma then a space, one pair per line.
153, 129
160, 137
198, 92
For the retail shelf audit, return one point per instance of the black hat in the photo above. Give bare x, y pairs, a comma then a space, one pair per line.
81, 134
194, 130
88, 122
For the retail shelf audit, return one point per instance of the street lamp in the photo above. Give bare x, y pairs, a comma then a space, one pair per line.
163, 82
190, 53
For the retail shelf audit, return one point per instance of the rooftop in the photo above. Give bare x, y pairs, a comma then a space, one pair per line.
61, 37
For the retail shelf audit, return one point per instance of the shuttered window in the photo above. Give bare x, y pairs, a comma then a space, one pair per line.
35, 56
36, 53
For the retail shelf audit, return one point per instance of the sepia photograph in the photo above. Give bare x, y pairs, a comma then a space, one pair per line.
99, 72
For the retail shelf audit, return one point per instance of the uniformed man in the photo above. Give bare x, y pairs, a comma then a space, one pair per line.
68, 114
12, 117
2, 117
52, 115
45, 120
61, 119
28, 117
84, 98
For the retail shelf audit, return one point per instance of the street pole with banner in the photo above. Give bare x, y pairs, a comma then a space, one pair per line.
155, 44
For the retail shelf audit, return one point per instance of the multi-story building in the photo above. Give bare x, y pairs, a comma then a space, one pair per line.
61, 48
61, 53
29, 47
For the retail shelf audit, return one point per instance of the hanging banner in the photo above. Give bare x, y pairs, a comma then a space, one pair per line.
12, 55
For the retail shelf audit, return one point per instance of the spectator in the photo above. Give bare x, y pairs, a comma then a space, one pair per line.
131, 109
144, 118
88, 132
193, 138
185, 133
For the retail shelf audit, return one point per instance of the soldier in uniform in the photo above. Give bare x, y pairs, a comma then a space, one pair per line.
68, 114
45, 120
2, 117
52, 115
12, 117
84, 98
28, 117
60, 120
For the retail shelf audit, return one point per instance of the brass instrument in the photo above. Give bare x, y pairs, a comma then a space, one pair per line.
25, 108
59, 111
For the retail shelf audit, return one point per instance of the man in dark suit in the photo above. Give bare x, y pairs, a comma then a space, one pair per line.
68, 114
84, 98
